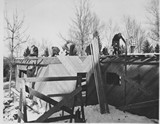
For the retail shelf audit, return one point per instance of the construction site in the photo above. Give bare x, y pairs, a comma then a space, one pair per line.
67, 84
81, 61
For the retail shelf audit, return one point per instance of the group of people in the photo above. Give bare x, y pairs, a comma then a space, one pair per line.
55, 50
31, 52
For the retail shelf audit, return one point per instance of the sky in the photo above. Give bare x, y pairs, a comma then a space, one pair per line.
45, 19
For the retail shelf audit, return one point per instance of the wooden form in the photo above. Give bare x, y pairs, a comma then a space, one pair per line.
142, 83
98, 78
140, 105
22, 113
131, 59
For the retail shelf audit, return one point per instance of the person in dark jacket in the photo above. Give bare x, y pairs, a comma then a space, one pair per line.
105, 51
116, 43
34, 51
55, 51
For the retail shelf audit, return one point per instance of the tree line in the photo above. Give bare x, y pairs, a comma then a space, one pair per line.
83, 25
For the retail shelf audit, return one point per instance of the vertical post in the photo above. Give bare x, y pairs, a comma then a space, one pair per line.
16, 79
20, 106
79, 81
125, 69
24, 101
10, 79
98, 78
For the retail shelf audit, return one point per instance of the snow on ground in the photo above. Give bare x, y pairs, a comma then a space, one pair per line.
92, 113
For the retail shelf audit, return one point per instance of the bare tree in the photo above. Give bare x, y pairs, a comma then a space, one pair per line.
15, 36
135, 35
153, 19
15, 32
84, 24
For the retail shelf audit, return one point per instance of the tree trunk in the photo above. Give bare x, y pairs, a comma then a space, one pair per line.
10, 79
11, 66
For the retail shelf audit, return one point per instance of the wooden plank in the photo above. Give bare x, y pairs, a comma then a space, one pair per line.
59, 118
125, 74
57, 95
98, 78
15, 91
79, 80
20, 105
138, 60
58, 106
20, 115
31, 60
55, 119
31, 64
43, 79
133, 63
140, 105
24, 101
45, 98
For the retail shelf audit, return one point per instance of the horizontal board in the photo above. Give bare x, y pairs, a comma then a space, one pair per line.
46, 99
57, 107
140, 105
43, 79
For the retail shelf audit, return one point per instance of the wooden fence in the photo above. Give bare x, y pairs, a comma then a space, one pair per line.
57, 106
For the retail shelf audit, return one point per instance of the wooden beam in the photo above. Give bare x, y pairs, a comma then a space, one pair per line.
55, 119
46, 99
20, 116
24, 101
79, 81
140, 105
43, 79
98, 78
135, 60
132, 63
57, 107
44, 60
31, 64
59, 118
57, 95
20, 106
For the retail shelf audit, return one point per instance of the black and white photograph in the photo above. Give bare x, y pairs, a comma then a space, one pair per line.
80, 61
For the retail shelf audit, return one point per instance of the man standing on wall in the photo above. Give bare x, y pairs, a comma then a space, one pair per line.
116, 43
